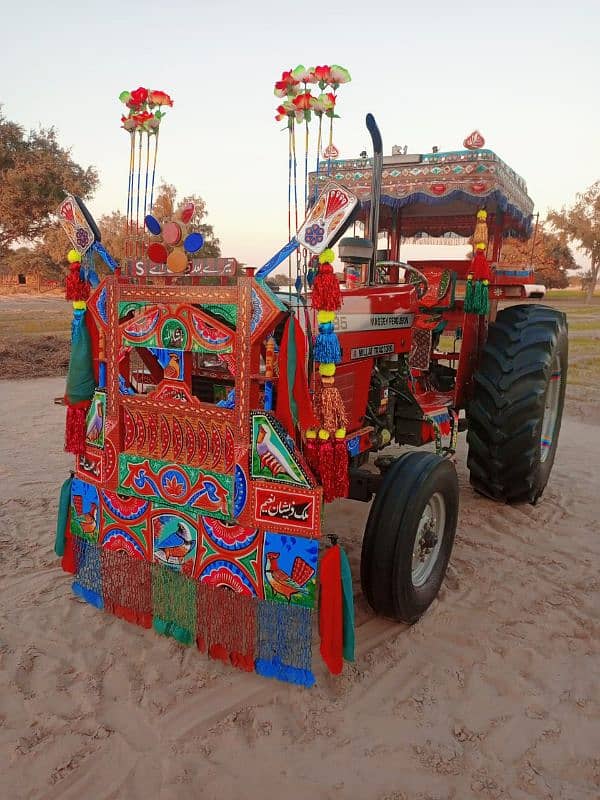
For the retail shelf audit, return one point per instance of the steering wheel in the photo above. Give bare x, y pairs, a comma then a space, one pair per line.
422, 282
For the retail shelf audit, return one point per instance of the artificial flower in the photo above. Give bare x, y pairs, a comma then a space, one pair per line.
324, 104
286, 110
138, 96
128, 123
158, 98
124, 96
304, 74
323, 76
288, 85
338, 75
303, 104
142, 118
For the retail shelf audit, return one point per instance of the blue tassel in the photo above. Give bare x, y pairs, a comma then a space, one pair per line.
283, 672
298, 284
76, 324
310, 277
327, 348
89, 595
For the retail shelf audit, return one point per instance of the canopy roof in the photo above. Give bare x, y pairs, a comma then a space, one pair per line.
440, 193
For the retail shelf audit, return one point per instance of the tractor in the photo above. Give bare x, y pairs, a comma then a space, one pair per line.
416, 367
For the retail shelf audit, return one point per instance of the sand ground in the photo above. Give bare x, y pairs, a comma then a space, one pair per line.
494, 694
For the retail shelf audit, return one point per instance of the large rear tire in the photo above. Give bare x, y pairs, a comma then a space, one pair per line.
519, 392
409, 536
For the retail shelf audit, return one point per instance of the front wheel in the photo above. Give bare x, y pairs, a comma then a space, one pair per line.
409, 536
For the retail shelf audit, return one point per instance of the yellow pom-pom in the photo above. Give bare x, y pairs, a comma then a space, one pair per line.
340, 433
482, 214
311, 433
327, 370
73, 256
323, 435
480, 246
327, 256
79, 305
325, 316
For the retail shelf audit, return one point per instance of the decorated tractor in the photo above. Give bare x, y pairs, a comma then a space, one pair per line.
212, 417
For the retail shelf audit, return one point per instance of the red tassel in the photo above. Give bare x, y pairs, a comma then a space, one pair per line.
311, 453
327, 470
480, 267
75, 288
69, 562
75, 428
340, 461
326, 295
331, 616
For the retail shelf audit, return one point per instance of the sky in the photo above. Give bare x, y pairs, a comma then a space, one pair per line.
430, 72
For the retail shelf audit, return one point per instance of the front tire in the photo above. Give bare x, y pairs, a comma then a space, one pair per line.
409, 536
515, 416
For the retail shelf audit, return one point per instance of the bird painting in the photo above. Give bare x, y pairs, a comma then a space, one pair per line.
175, 545
288, 585
270, 456
172, 368
95, 425
88, 521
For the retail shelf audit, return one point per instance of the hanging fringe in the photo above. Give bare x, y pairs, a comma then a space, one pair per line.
331, 620
340, 466
174, 604
226, 626
469, 295
127, 587
284, 639
75, 427
327, 467
294, 404
69, 559
88, 583
311, 451
329, 405
75, 287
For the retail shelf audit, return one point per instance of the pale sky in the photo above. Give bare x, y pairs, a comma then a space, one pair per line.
526, 75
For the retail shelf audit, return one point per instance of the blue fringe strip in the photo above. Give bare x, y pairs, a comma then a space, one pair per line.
458, 194
283, 672
278, 258
91, 597
105, 255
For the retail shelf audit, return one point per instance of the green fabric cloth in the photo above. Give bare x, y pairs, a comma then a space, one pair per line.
347, 607
63, 516
80, 378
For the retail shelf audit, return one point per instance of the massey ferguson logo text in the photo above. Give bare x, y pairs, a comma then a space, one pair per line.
391, 320
372, 322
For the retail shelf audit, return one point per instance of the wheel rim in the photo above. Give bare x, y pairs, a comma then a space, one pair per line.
551, 409
428, 541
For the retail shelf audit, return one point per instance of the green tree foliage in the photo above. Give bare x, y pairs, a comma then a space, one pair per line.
34, 171
549, 255
579, 224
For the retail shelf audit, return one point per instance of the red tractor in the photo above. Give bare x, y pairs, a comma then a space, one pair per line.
417, 366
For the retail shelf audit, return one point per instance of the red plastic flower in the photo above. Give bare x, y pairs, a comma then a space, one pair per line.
323, 75
303, 101
138, 96
158, 98
142, 118
287, 85
128, 123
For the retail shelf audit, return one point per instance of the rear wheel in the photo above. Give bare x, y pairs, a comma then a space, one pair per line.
409, 536
516, 412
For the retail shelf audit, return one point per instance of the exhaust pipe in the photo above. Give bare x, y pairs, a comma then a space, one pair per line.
375, 190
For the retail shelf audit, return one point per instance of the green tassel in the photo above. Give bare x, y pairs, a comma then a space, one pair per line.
469, 295
63, 516
481, 299
347, 607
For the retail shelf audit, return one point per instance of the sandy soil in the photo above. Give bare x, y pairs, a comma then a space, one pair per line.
494, 694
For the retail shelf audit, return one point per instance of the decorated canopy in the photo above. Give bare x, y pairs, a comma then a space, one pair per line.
438, 193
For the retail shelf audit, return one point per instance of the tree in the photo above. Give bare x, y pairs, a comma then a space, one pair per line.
165, 206
34, 171
550, 257
580, 225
